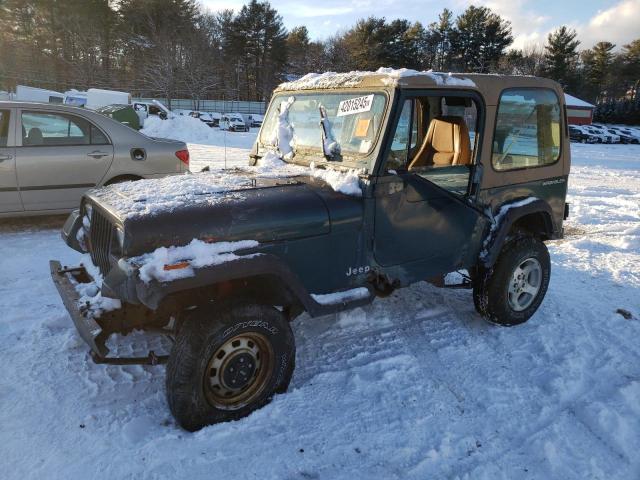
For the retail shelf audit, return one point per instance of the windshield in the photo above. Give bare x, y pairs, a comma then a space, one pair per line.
353, 119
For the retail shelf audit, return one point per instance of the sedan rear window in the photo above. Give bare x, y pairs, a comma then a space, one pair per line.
59, 129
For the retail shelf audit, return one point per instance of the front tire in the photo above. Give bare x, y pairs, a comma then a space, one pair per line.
512, 292
223, 366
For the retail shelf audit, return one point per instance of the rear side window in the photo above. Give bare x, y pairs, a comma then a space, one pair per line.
527, 129
59, 129
4, 127
97, 137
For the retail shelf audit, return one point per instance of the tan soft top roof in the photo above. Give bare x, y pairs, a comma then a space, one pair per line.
489, 85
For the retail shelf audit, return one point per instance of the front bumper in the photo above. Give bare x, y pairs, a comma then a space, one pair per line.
87, 327
94, 334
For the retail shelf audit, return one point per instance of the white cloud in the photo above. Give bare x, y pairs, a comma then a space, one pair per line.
217, 5
619, 24
310, 11
527, 25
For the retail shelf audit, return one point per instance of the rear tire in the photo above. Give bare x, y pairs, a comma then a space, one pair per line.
512, 291
227, 364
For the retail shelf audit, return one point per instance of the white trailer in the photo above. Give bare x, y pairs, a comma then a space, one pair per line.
97, 98
32, 94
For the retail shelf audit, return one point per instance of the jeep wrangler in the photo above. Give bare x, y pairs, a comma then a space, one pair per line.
358, 184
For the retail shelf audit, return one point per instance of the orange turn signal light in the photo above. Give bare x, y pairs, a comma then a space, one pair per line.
177, 266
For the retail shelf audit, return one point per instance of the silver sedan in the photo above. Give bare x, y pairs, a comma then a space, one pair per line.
50, 155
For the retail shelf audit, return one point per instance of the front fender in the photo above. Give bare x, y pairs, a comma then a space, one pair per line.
153, 293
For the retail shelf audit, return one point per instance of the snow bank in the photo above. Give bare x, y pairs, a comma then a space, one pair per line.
555, 398
340, 297
180, 127
191, 130
350, 79
197, 254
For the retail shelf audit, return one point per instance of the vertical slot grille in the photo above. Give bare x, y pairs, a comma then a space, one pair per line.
100, 234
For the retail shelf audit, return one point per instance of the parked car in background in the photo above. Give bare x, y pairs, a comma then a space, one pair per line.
50, 155
204, 117
576, 134
146, 109
256, 120
624, 138
233, 122
602, 138
609, 136
627, 135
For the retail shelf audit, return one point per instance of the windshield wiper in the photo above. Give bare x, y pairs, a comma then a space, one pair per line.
330, 148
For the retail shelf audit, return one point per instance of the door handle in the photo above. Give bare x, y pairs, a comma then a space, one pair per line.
5, 157
97, 154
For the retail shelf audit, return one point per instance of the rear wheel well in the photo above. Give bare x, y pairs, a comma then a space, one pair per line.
537, 224
122, 178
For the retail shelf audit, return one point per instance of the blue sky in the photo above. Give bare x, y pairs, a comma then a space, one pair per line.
614, 20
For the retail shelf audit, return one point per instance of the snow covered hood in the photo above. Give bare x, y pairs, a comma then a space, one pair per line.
264, 203
130, 200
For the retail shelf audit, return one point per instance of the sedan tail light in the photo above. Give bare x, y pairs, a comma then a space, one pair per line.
183, 155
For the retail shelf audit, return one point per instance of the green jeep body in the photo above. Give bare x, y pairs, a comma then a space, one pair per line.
313, 240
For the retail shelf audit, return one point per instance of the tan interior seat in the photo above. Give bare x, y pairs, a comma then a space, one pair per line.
446, 143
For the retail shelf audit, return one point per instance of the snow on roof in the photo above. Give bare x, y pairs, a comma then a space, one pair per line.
572, 101
386, 76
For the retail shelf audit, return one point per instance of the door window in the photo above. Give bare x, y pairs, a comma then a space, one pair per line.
527, 129
403, 139
435, 139
59, 129
4, 127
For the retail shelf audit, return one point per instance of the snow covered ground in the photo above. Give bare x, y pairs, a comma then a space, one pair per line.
413, 386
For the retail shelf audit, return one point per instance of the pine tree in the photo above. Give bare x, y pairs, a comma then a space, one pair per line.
298, 51
259, 42
597, 70
630, 60
479, 39
373, 42
561, 57
440, 34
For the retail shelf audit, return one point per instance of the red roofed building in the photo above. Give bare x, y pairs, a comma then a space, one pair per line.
579, 112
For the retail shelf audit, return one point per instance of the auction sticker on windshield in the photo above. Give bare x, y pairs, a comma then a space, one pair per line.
355, 105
